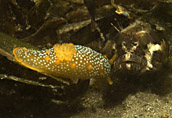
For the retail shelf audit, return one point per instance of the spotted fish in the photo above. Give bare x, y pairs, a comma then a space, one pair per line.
66, 60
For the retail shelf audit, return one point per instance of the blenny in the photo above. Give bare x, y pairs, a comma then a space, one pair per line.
140, 49
67, 61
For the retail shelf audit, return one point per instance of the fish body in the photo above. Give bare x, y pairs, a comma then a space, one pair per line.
66, 61
140, 49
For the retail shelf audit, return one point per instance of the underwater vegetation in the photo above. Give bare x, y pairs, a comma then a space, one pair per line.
63, 49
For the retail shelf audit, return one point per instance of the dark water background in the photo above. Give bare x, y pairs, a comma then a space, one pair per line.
44, 23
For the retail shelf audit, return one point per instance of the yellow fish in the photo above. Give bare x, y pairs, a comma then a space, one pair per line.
65, 60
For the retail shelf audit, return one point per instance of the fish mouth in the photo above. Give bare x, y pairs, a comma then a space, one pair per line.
134, 63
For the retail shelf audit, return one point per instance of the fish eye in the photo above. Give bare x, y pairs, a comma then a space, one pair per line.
135, 43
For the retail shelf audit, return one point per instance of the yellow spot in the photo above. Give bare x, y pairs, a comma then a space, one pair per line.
101, 73
164, 115
57, 61
89, 67
47, 51
110, 82
47, 58
24, 49
113, 59
105, 56
89, 48
64, 51
71, 44
73, 66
